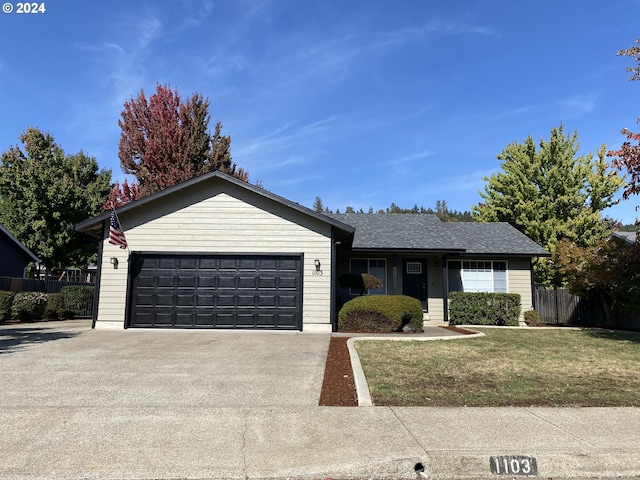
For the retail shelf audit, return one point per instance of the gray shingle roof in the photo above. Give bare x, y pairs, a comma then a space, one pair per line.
629, 237
427, 233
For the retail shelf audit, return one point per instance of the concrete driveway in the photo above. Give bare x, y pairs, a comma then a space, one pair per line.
68, 364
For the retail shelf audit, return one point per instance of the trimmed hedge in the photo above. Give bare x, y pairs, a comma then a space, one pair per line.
55, 307
6, 301
29, 306
482, 308
77, 300
380, 314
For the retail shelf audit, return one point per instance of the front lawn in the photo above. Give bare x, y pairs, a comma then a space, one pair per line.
534, 367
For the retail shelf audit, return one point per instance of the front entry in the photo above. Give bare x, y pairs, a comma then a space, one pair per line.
414, 280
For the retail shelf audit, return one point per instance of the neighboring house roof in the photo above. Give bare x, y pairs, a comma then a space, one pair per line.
629, 237
19, 244
425, 232
94, 225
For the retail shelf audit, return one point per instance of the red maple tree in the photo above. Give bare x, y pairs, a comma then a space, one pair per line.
627, 157
165, 141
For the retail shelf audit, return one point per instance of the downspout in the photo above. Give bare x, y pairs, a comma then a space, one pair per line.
96, 289
445, 288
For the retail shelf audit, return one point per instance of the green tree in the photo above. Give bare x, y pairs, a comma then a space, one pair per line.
551, 193
318, 206
44, 192
607, 270
165, 141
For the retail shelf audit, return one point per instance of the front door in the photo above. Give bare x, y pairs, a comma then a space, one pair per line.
414, 280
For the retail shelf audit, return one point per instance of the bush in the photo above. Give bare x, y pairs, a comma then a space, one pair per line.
380, 314
55, 307
29, 306
532, 318
77, 300
482, 308
6, 301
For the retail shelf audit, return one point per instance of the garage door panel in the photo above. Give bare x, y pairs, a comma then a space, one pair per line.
168, 263
215, 291
165, 279
227, 264
250, 264
225, 281
289, 265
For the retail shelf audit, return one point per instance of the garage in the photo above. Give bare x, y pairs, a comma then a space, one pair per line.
227, 291
215, 291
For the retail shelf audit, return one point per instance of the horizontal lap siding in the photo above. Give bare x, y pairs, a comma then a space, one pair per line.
207, 220
434, 292
519, 280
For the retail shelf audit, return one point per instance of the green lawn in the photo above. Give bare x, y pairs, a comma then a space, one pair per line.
507, 367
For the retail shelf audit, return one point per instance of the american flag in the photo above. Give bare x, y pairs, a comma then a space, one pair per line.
116, 235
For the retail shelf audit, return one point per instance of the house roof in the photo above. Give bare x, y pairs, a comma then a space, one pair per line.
398, 231
19, 244
94, 225
629, 237
425, 232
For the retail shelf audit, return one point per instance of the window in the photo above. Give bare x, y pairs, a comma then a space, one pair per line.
373, 266
414, 267
477, 276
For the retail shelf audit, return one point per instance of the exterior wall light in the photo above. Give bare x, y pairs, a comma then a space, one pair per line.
317, 263
114, 261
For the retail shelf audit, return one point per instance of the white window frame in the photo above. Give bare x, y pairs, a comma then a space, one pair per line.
493, 270
414, 264
369, 259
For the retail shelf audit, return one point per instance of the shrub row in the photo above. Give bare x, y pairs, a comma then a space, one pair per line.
481, 308
30, 306
380, 314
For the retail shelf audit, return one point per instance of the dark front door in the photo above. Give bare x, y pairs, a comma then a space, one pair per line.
215, 291
414, 280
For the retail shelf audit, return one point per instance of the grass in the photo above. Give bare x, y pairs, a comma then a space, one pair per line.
536, 367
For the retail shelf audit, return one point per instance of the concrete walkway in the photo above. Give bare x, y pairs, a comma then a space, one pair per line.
52, 427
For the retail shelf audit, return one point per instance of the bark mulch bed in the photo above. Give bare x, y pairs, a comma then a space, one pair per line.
338, 387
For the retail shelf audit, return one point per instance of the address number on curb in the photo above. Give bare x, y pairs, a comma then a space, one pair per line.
513, 465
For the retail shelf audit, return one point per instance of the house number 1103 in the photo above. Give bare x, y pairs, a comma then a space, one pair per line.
513, 465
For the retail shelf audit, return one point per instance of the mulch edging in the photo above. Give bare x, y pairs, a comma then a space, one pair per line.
338, 387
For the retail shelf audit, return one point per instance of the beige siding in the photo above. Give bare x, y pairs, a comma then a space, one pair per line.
435, 291
519, 281
207, 219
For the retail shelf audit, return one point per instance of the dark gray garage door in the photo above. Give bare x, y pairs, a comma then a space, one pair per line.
215, 291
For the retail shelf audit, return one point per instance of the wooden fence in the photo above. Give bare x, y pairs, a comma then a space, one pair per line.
559, 307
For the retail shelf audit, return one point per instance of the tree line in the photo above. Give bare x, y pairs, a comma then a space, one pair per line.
441, 210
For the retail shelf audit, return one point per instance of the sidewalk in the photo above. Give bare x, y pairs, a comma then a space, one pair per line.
313, 442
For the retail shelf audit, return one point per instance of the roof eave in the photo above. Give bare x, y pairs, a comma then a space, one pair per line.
20, 245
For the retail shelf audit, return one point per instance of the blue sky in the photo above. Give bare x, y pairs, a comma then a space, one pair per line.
362, 103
